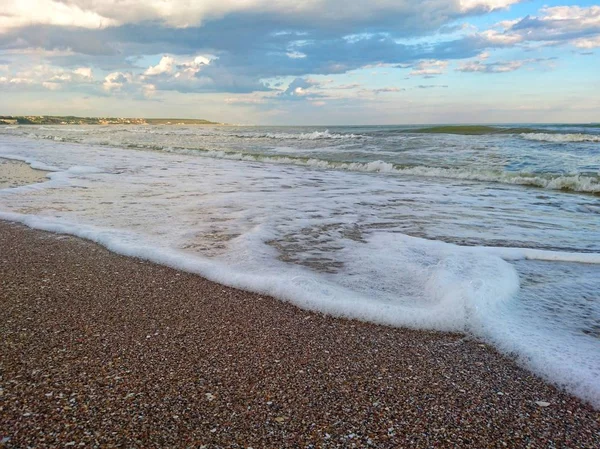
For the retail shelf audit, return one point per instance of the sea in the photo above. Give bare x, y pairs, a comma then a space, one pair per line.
493, 232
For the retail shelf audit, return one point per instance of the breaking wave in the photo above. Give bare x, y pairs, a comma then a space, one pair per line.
315, 135
569, 182
561, 138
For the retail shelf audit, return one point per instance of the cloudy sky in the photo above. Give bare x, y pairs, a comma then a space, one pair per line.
303, 62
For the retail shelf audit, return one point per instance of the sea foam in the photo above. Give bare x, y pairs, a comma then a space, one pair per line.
341, 242
572, 182
315, 135
561, 138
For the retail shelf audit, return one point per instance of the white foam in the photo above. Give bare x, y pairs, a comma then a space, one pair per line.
442, 288
32, 162
574, 182
561, 138
332, 241
315, 135
538, 254
574, 170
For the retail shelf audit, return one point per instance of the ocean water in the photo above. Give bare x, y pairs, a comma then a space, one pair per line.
495, 235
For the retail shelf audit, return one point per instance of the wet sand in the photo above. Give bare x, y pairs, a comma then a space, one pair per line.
100, 350
17, 173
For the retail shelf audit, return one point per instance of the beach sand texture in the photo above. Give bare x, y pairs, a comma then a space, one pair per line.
17, 173
100, 350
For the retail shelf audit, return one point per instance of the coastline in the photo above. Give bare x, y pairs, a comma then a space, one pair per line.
104, 349
17, 173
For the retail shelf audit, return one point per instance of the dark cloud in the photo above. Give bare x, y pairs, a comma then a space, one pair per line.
250, 47
300, 89
245, 54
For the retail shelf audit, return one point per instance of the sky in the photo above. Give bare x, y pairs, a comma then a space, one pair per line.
313, 62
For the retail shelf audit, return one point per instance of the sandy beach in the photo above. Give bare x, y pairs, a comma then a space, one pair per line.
100, 350
17, 173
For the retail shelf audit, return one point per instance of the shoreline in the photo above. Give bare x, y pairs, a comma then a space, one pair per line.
99, 348
14, 173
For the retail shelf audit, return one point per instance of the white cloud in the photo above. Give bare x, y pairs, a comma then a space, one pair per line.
49, 77
184, 13
498, 67
501, 66
116, 80
164, 66
149, 90
17, 13
498, 38
51, 86
429, 67
245, 100
580, 15
19, 80
488, 5
295, 55
587, 43
576, 25
189, 69
37, 52
84, 72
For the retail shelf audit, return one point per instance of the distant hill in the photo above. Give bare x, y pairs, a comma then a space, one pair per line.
72, 120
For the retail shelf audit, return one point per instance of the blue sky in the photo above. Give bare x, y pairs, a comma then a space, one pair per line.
289, 62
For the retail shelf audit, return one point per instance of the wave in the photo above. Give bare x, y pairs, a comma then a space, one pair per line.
573, 182
315, 135
569, 182
509, 254
561, 138
444, 287
467, 130
387, 277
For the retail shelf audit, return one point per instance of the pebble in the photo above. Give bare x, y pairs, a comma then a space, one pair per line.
223, 354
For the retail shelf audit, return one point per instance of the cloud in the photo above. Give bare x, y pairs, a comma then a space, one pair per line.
52, 78
382, 90
18, 13
486, 5
238, 46
300, 88
245, 100
96, 14
248, 41
84, 72
429, 68
587, 43
164, 66
116, 81
497, 38
575, 25
494, 67
431, 86
498, 67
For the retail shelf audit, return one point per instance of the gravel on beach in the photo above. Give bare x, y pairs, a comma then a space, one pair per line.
101, 350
